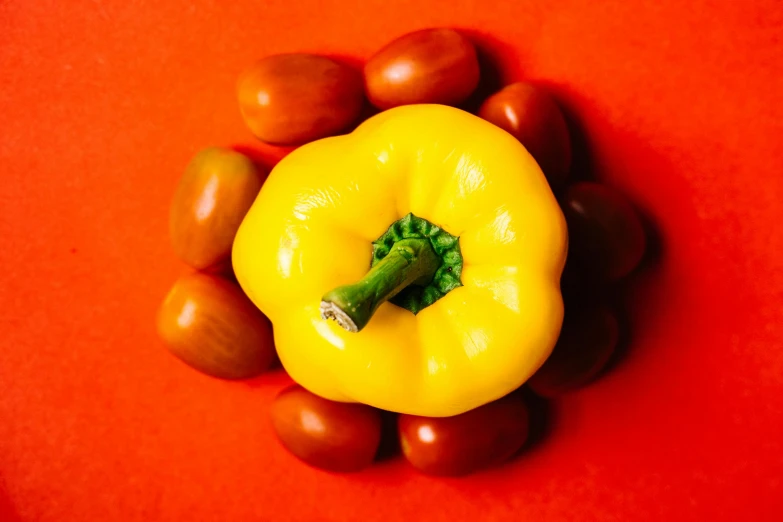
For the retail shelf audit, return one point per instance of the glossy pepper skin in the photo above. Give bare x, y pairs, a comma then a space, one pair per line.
311, 229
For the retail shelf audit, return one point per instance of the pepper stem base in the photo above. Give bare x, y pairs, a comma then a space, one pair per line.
334, 312
410, 262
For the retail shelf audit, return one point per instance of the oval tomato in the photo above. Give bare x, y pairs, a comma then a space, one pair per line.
290, 99
427, 66
211, 325
325, 434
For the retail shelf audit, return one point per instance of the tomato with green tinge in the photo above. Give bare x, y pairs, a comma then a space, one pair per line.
211, 325
211, 199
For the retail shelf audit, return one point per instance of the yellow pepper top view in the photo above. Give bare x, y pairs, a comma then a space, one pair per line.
412, 265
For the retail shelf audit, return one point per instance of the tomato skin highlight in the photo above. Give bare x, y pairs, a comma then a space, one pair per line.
209, 323
334, 436
464, 443
427, 66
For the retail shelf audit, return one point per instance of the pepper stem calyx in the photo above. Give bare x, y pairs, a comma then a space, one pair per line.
415, 263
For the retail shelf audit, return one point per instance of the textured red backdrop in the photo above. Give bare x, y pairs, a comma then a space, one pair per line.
103, 103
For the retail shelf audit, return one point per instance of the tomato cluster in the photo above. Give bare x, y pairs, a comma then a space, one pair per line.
291, 99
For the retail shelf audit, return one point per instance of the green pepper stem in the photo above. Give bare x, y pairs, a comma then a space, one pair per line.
410, 261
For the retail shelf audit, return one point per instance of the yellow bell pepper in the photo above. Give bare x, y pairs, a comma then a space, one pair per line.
428, 207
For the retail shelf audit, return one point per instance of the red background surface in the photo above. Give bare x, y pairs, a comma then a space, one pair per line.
103, 103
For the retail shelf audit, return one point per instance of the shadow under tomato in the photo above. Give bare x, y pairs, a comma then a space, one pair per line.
623, 294
274, 377
582, 161
490, 52
351, 60
223, 269
389, 447
540, 412
581, 292
264, 155
654, 251
368, 110
630, 167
